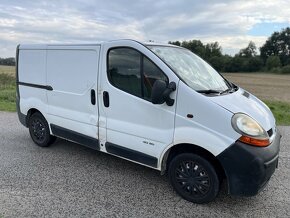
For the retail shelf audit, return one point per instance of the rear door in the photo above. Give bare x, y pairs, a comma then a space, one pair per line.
72, 73
135, 128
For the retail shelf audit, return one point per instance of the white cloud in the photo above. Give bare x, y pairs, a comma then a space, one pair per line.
231, 44
228, 22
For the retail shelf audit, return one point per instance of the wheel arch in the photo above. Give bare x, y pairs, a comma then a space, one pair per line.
191, 148
30, 112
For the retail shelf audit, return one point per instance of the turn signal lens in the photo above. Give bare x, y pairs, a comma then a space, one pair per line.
255, 142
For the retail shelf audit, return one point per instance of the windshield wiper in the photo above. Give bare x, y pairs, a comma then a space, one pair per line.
208, 91
227, 90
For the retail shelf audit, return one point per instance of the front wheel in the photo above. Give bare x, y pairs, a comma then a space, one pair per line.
193, 178
39, 130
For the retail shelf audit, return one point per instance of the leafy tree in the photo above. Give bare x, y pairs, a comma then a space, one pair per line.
217, 63
7, 61
175, 43
274, 54
272, 62
235, 65
277, 45
226, 59
249, 51
196, 46
250, 62
213, 50
255, 64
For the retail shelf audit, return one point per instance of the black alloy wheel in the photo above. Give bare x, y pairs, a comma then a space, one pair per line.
194, 178
39, 130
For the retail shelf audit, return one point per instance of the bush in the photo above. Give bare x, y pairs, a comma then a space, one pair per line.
243, 64
217, 63
285, 69
7, 61
275, 70
235, 65
255, 64
272, 62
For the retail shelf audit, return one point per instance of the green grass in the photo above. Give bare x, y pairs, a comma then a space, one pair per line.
281, 111
7, 92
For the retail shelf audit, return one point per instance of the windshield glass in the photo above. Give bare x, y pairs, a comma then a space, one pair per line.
194, 71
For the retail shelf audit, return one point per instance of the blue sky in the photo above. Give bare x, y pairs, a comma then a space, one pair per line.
233, 23
266, 29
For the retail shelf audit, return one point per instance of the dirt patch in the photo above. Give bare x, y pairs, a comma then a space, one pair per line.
10, 70
264, 86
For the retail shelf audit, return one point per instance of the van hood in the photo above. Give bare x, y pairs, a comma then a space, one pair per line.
242, 101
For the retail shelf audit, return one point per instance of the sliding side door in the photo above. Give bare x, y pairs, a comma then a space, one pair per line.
72, 108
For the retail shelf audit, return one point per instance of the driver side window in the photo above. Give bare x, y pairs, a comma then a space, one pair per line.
132, 72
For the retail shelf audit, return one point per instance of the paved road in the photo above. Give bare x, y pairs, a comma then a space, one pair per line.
68, 180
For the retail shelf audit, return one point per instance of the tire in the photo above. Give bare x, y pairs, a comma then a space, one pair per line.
193, 178
39, 130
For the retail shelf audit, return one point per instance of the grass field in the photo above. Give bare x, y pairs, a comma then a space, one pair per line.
7, 70
7, 88
274, 90
273, 87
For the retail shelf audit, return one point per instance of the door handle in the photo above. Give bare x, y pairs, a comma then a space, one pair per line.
106, 99
93, 97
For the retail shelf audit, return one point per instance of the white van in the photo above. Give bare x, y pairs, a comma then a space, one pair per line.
154, 104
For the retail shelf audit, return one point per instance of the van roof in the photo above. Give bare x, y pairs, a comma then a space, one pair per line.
44, 46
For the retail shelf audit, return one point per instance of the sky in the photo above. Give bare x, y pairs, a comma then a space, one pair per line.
233, 23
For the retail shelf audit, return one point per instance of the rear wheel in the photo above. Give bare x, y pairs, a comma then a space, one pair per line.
39, 130
194, 178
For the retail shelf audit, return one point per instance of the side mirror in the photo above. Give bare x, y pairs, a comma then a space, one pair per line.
161, 92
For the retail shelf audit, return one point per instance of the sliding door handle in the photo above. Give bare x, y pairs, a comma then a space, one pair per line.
106, 99
93, 97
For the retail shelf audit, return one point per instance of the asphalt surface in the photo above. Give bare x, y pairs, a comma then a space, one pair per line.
68, 180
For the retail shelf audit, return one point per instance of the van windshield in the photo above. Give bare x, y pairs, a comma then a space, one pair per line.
194, 71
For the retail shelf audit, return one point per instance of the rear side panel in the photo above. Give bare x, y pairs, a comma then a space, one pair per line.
32, 80
58, 80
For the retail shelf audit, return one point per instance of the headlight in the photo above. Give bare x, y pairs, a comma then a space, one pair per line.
251, 131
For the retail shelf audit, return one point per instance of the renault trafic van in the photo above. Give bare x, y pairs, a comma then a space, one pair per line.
157, 105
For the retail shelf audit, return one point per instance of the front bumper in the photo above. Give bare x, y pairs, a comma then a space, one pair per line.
249, 168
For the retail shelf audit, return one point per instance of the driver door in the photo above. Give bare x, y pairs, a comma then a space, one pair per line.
136, 129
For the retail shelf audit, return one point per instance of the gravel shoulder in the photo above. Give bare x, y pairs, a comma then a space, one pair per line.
68, 180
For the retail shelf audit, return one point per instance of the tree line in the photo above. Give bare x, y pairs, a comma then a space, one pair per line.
274, 54
7, 61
